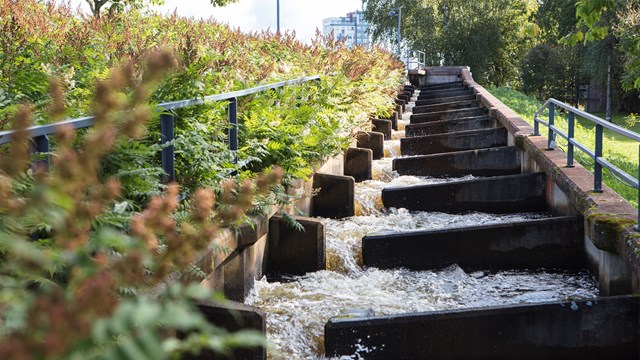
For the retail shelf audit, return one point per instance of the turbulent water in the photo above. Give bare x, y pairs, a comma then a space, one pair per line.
297, 309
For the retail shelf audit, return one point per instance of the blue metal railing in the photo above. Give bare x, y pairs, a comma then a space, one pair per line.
40, 134
599, 162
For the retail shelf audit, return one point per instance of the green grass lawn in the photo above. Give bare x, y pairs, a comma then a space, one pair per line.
620, 151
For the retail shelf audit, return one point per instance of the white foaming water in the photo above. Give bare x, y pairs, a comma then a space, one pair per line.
298, 309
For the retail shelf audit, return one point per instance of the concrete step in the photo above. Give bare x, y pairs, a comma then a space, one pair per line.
445, 126
457, 84
443, 93
499, 195
555, 243
455, 141
445, 100
447, 115
498, 161
456, 105
589, 329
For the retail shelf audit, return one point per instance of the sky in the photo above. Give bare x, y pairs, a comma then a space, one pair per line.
303, 16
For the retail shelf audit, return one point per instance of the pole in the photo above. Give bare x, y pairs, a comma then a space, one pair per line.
399, 22
608, 110
278, 15
356, 37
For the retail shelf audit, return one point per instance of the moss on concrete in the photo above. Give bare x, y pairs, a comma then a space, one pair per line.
608, 229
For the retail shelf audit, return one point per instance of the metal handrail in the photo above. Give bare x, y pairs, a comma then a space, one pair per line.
422, 58
40, 134
599, 162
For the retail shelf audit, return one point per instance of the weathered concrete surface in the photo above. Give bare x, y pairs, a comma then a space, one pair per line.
445, 100
458, 141
402, 104
435, 94
448, 126
383, 126
296, 252
541, 243
499, 195
357, 163
443, 85
447, 115
465, 104
482, 162
232, 316
394, 120
334, 197
371, 140
604, 328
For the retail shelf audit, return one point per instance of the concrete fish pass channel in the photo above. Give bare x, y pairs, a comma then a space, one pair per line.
448, 232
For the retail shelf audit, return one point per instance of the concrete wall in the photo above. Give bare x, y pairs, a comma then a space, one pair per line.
610, 240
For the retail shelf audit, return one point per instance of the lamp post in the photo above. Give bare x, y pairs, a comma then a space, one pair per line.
394, 12
278, 16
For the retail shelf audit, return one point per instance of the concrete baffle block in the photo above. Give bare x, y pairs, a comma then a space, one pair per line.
401, 103
553, 243
358, 163
498, 195
400, 111
601, 328
383, 126
482, 162
371, 140
296, 251
232, 316
394, 120
335, 196
455, 141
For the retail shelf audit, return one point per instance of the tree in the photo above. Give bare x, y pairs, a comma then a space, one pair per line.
489, 36
119, 5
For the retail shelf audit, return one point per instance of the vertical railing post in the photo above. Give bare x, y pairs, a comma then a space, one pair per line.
597, 168
552, 108
233, 130
638, 188
41, 145
570, 135
167, 131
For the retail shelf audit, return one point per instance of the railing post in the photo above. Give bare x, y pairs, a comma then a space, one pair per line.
638, 188
597, 168
570, 135
233, 129
168, 152
41, 145
552, 108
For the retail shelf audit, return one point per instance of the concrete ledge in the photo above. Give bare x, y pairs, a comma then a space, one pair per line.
483, 162
447, 115
436, 94
334, 197
296, 252
542, 243
445, 106
445, 100
371, 140
456, 141
604, 328
499, 195
448, 126
358, 163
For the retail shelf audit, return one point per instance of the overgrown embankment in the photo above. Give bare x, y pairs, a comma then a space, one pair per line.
77, 253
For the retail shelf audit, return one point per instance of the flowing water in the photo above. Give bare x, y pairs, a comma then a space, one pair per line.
297, 308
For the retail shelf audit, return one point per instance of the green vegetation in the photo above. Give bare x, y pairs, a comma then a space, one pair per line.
84, 244
620, 151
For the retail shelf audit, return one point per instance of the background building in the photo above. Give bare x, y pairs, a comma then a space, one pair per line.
353, 27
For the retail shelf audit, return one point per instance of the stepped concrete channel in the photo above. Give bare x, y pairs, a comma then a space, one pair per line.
457, 128
470, 198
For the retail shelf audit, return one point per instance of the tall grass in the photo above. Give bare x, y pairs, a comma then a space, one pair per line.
617, 149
